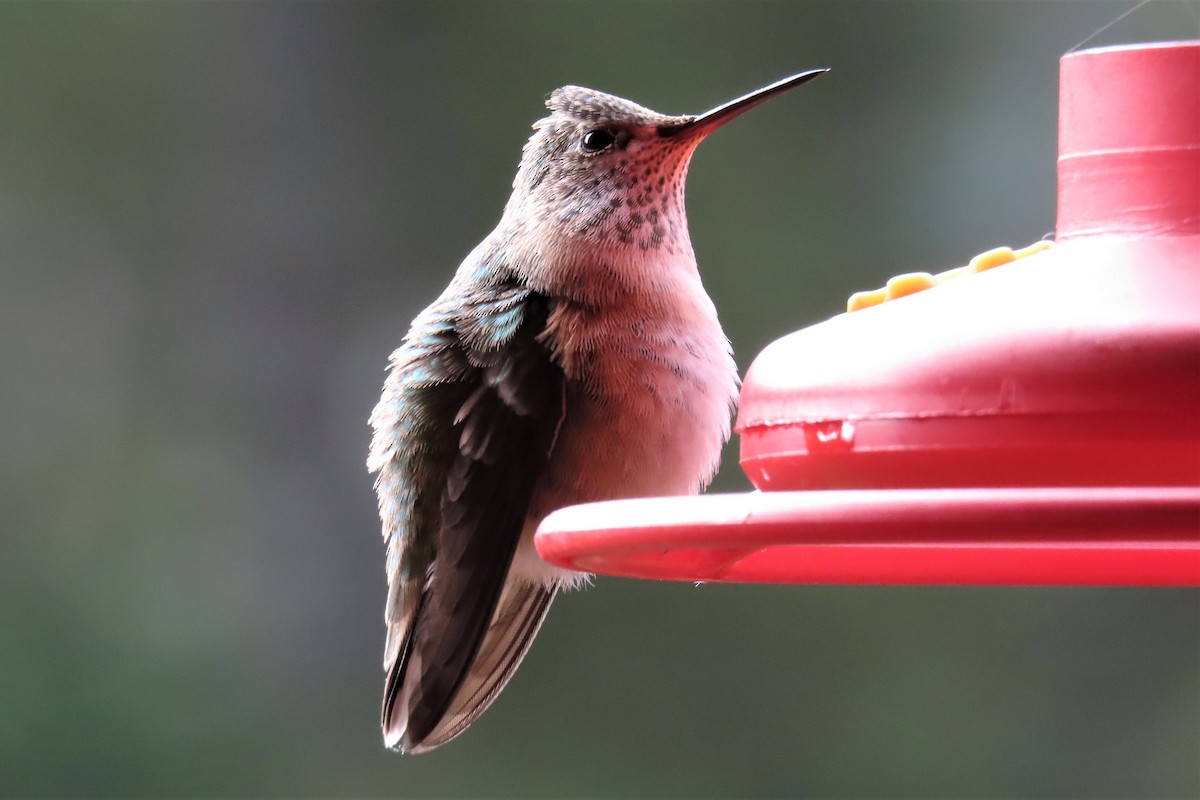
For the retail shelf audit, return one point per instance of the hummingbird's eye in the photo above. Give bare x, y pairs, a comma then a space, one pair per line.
596, 140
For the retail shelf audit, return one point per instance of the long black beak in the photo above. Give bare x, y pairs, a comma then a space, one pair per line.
709, 121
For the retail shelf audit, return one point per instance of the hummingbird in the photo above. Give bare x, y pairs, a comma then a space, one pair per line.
574, 357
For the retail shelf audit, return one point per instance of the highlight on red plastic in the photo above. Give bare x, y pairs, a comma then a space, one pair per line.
1038, 423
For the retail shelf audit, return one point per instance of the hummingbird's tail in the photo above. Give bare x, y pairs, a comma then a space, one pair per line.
415, 723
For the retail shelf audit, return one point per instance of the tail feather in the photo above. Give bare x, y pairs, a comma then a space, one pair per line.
515, 622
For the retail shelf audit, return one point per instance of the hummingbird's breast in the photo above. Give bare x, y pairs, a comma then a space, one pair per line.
651, 385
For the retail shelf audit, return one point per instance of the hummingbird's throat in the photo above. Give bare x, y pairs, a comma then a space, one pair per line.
638, 203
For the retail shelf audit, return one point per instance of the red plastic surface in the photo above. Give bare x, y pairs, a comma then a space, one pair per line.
1036, 423
1128, 136
1079, 366
1113, 536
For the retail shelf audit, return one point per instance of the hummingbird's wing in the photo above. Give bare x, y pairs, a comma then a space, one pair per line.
462, 434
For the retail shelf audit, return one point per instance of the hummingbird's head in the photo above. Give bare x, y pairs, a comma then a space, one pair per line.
598, 168
611, 171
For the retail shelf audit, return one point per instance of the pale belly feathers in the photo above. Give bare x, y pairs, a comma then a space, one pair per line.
648, 404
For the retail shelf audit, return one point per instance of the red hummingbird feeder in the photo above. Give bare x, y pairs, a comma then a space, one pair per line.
1033, 424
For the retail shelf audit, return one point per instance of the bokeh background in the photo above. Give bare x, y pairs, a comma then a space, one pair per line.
216, 221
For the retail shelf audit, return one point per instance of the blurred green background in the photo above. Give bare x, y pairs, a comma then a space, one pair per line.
216, 221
